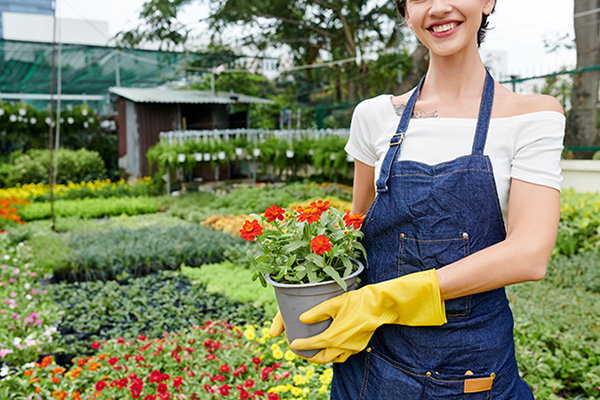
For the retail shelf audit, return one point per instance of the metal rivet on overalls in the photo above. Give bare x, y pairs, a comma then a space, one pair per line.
402, 236
465, 235
428, 374
492, 375
368, 349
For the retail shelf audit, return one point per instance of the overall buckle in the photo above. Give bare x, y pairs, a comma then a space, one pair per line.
399, 141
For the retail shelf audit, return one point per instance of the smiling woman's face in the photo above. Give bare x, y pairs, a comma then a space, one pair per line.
446, 26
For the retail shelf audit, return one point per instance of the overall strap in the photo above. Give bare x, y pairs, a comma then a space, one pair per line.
396, 140
485, 112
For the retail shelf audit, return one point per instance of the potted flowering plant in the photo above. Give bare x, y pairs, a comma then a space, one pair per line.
309, 255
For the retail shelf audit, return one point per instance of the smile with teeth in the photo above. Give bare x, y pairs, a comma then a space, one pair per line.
444, 28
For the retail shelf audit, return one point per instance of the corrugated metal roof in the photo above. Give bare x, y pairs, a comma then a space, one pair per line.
157, 95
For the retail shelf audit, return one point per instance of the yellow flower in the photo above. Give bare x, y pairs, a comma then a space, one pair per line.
289, 355
275, 346
310, 371
265, 331
322, 389
278, 354
300, 379
249, 334
296, 391
326, 376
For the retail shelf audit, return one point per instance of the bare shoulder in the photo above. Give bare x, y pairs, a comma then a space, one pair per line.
512, 104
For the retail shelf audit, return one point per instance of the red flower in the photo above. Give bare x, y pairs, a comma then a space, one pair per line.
100, 386
136, 391
355, 220
120, 340
219, 378
113, 360
273, 396
276, 365
150, 397
320, 245
162, 388
224, 368
251, 230
142, 337
256, 360
123, 382
274, 213
177, 381
176, 356
210, 357
166, 377
249, 383
321, 205
309, 214
208, 388
265, 373
155, 376
259, 393
140, 359
224, 390
244, 395
96, 345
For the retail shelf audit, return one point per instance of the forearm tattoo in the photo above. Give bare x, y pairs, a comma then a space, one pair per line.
399, 108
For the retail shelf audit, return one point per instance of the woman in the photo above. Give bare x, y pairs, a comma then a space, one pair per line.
432, 320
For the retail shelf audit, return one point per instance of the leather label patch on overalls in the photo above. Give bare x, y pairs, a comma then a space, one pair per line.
478, 385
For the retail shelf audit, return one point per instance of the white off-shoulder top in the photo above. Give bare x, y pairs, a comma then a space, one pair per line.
527, 147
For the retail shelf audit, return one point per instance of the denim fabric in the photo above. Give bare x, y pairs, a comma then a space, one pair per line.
423, 217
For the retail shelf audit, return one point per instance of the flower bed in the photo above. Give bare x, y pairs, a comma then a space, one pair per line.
91, 208
214, 360
25, 311
579, 228
95, 311
72, 190
9, 212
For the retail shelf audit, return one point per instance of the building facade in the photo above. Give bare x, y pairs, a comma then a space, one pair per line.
42, 7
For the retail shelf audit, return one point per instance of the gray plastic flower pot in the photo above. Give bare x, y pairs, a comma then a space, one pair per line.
295, 299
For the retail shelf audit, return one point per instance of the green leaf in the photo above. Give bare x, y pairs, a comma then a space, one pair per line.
293, 246
336, 276
349, 266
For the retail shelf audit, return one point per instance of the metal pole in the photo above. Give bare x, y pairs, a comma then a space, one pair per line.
58, 109
117, 69
50, 130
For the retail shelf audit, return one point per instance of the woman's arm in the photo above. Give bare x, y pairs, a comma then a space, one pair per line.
533, 216
363, 192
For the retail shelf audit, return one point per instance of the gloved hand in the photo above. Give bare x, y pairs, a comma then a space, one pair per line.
412, 300
276, 326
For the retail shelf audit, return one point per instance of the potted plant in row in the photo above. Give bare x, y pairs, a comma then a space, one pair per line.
309, 255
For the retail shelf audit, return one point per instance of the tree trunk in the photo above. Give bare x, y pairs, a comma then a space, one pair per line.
582, 131
419, 67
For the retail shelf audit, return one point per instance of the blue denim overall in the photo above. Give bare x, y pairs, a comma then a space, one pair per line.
423, 217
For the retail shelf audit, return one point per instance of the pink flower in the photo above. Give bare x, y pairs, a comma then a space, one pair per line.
13, 294
33, 274
15, 316
39, 322
16, 271
5, 352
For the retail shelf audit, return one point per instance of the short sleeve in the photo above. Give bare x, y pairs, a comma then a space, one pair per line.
538, 148
361, 144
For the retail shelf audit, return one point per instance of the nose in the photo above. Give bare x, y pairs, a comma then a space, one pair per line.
439, 8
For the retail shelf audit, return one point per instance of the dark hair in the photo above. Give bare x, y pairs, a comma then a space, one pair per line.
401, 4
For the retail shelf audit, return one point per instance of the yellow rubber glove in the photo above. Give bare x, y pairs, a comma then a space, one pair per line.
276, 325
412, 300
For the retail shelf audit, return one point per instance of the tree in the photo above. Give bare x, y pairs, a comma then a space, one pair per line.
582, 119
311, 29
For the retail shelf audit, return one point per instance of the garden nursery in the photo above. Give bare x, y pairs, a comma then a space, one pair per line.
141, 295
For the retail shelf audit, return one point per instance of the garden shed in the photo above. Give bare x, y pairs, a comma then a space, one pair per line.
142, 113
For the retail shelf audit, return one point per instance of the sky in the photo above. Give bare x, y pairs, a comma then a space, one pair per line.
520, 27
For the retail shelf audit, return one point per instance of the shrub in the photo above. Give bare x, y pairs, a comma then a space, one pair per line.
91, 208
73, 166
105, 254
167, 301
579, 228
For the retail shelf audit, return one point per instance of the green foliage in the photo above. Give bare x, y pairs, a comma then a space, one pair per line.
579, 228
167, 301
91, 208
234, 282
197, 206
105, 255
32, 167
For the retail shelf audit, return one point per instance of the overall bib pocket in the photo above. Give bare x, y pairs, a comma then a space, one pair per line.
384, 375
423, 251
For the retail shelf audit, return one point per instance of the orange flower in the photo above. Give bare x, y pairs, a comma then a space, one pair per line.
81, 362
251, 230
355, 220
46, 361
321, 205
102, 356
320, 245
34, 380
28, 372
37, 389
59, 394
58, 370
76, 395
309, 214
75, 373
274, 213
55, 380
94, 366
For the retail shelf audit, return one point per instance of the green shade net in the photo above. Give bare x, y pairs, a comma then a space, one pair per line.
25, 67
